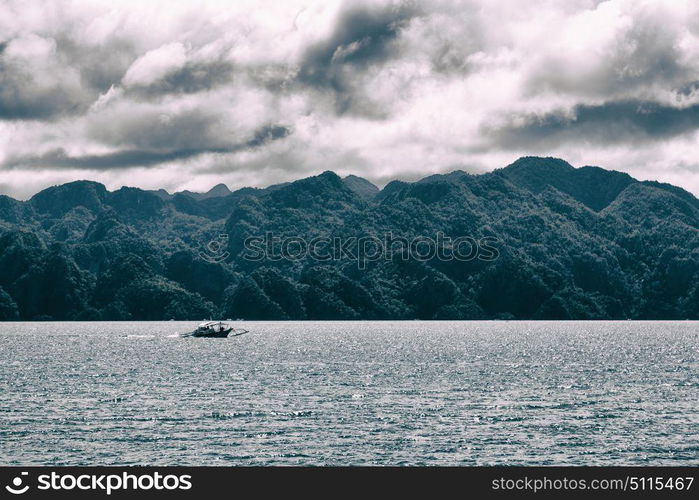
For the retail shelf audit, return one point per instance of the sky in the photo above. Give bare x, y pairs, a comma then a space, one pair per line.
186, 95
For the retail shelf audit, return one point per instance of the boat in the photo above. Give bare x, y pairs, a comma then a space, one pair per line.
215, 329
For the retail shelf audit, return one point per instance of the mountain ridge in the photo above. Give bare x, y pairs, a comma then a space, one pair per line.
572, 243
530, 171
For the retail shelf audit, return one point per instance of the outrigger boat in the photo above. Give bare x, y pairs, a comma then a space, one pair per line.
215, 329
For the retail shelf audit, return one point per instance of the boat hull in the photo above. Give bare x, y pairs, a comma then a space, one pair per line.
213, 335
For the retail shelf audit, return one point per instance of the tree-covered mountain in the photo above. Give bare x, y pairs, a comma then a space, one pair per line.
571, 243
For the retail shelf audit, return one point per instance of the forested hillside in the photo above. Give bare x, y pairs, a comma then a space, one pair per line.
572, 243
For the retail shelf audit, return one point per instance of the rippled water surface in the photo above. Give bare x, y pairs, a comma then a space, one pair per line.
437, 393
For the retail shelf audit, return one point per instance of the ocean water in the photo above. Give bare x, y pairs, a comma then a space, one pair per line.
351, 393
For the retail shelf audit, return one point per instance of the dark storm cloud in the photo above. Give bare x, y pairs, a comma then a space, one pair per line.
128, 158
75, 75
362, 37
687, 90
59, 159
268, 134
449, 59
129, 127
22, 97
609, 123
192, 78
65, 82
100, 66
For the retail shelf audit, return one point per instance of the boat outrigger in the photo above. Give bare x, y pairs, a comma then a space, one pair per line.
215, 329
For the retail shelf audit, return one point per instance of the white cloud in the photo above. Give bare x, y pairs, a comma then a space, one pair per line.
98, 77
155, 64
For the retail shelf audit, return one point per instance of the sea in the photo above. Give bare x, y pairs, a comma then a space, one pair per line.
351, 393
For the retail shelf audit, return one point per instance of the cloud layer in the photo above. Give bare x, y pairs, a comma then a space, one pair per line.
184, 95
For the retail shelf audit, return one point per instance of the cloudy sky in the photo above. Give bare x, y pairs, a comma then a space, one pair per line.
184, 95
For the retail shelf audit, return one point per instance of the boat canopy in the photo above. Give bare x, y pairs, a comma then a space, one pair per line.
209, 324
